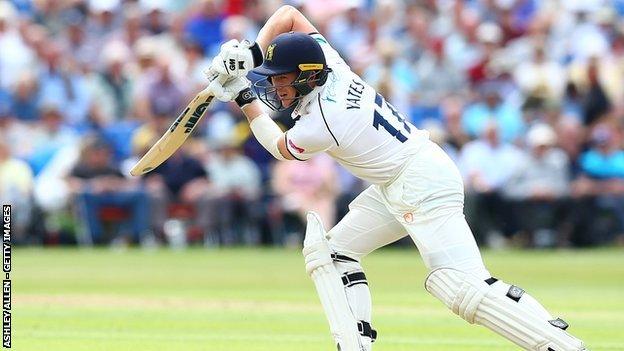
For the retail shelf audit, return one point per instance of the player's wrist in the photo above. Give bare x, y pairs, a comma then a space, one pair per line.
245, 97
256, 54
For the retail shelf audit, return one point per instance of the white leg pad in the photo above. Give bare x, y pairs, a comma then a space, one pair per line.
358, 296
329, 286
524, 322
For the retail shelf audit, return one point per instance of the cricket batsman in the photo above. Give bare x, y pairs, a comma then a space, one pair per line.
416, 189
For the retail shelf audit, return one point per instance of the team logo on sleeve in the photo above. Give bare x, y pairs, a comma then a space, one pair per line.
295, 147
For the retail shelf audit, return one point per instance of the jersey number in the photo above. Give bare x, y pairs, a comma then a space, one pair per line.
379, 120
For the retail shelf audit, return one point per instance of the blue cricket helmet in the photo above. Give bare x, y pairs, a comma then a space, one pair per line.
287, 53
292, 52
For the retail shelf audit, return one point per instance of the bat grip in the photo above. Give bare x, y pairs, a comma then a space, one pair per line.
216, 85
222, 78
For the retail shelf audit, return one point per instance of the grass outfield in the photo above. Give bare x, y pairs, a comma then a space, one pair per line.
261, 299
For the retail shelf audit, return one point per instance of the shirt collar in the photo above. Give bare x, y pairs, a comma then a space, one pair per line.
304, 103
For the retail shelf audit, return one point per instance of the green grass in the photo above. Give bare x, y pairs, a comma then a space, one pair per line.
252, 299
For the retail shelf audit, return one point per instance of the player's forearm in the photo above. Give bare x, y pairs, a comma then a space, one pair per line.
280, 22
266, 131
285, 19
252, 110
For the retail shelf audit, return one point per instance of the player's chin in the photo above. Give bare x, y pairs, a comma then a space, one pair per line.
287, 102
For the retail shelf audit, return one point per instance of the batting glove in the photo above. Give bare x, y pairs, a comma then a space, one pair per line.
233, 87
236, 58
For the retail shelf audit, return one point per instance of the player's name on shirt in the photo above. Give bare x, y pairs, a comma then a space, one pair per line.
354, 94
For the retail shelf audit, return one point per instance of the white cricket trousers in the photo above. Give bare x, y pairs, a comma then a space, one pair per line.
426, 202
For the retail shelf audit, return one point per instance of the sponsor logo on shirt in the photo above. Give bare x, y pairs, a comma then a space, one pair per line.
295, 147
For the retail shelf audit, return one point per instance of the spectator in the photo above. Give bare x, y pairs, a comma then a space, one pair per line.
491, 107
97, 183
391, 76
21, 57
60, 86
540, 78
14, 133
600, 186
156, 18
538, 187
204, 25
350, 33
487, 164
490, 37
596, 103
237, 187
26, 98
182, 180
130, 32
16, 185
49, 136
304, 186
163, 92
438, 78
75, 40
112, 85
571, 137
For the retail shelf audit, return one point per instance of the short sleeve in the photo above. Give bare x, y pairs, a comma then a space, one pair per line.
334, 61
304, 142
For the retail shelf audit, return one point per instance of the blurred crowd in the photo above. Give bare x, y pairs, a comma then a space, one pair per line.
526, 95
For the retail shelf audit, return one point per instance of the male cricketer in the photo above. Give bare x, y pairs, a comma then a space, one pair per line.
416, 189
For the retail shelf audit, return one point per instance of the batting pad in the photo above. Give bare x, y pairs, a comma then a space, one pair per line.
329, 286
505, 309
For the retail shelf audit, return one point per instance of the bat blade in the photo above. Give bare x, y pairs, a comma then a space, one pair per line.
176, 135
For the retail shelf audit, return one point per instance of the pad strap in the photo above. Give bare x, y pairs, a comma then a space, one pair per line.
355, 278
342, 258
366, 329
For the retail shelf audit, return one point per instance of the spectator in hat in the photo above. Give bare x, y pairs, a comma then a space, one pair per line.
49, 135
490, 37
236, 184
487, 164
113, 85
538, 187
540, 78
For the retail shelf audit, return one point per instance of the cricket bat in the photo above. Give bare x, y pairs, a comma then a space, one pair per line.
175, 136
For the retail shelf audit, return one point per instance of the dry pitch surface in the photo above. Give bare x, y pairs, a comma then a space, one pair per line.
261, 299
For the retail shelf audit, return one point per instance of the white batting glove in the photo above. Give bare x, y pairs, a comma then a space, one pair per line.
236, 58
233, 87
229, 90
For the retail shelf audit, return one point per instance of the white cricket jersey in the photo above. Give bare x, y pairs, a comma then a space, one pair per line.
354, 124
